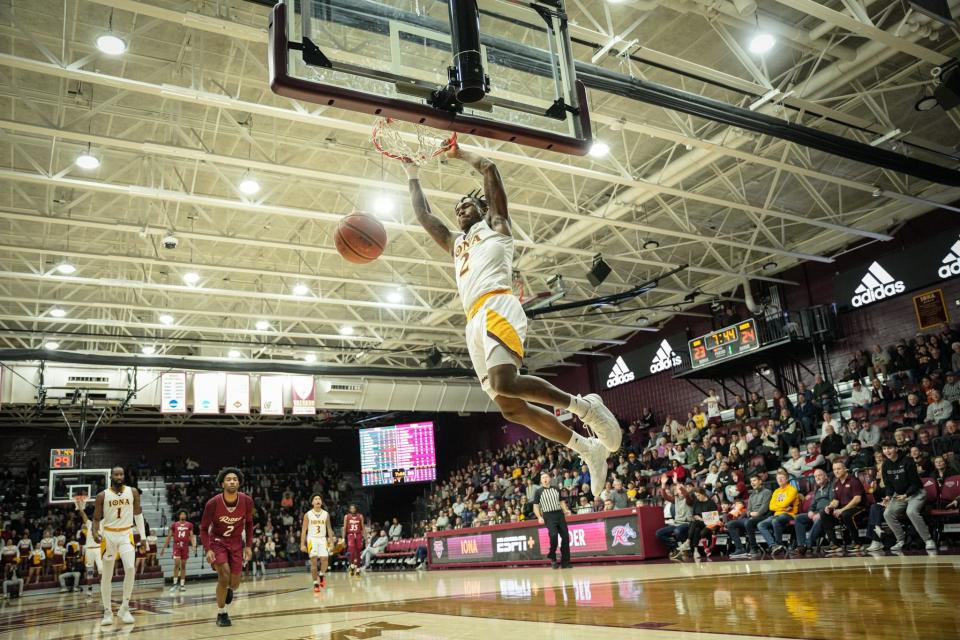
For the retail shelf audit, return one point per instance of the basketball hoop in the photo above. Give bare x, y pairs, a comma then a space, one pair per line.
390, 139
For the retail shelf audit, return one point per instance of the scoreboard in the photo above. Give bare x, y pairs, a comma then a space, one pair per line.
398, 454
62, 458
724, 344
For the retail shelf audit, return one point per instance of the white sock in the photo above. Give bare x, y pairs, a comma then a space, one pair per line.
577, 442
578, 406
221, 610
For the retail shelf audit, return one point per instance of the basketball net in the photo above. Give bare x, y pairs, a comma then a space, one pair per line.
410, 142
518, 286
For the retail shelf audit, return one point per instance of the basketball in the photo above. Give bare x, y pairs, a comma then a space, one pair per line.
360, 238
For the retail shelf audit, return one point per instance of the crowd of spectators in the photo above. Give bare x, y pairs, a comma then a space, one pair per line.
741, 463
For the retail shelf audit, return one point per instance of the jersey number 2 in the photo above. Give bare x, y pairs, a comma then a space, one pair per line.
228, 531
464, 266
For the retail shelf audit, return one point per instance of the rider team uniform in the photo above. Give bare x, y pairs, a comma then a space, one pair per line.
317, 533
222, 526
182, 533
496, 323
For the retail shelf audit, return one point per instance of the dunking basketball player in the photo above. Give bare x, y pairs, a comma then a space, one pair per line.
496, 325
183, 539
226, 517
316, 539
353, 534
117, 509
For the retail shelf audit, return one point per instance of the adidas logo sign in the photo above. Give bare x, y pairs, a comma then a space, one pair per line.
876, 285
621, 374
951, 263
665, 358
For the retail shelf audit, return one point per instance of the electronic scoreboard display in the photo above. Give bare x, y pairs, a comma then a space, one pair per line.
398, 454
724, 344
62, 458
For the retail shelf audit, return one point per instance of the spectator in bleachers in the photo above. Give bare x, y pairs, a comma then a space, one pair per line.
619, 496
949, 442
813, 519
824, 393
903, 484
827, 420
699, 418
758, 405
879, 393
848, 502
924, 466
584, 506
915, 411
831, 445
678, 524
939, 410
712, 403
951, 388
700, 504
647, 419
784, 504
741, 411
955, 356
795, 465
924, 442
806, 413
813, 459
857, 457
880, 360
869, 435
758, 507
790, 434
851, 433
861, 396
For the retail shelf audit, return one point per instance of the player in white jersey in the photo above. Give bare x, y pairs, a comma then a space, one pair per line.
316, 539
91, 548
496, 324
117, 509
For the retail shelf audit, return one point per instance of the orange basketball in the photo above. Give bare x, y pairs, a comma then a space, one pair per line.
360, 238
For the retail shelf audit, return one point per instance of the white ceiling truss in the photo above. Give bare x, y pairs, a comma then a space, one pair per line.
186, 112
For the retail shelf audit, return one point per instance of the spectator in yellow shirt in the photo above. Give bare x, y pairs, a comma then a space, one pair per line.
784, 505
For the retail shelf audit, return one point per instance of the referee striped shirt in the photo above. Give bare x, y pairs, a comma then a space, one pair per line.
548, 498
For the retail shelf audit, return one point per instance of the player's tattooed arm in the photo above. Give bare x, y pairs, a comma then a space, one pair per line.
434, 226
493, 189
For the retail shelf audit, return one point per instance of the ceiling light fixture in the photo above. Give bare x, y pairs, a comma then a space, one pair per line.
191, 277
395, 297
310, 357
599, 149
233, 353
166, 319
111, 44
651, 244
346, 330
262, 325
769, 266
87, 159
761, 43
383, 205
57, 312
249, 185
148, 350
300, 289
926, 103
65, 268
51, 345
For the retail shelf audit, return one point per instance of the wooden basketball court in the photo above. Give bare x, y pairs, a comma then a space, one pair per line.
911, 597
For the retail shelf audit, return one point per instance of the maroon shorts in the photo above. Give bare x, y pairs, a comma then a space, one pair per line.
227, 554
354, 547
181, 551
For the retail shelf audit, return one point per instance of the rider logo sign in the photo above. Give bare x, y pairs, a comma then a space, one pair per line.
438, 548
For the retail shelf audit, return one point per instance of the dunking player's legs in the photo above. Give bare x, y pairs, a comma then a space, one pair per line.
539, 420
505, 380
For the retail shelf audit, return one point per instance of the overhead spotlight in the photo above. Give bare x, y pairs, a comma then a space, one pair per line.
233, 353
148, 350
87, 159
598, 271
599, 149
300, 289
310, 357
877, 191
383, 205
57, 312
249, 185
191, 277
926, 103
51, 345
65, 268
346, 330
651, 244
769, 266
262, 325
166, 319
395, 297
761, 43
433, 359
690, 297
111, 44
643, 321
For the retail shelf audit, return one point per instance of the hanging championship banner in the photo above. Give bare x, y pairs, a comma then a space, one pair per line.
237, 394
173, 392
206, 393
303, 392
271, 395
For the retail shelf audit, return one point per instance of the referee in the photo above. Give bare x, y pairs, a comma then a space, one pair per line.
550, 511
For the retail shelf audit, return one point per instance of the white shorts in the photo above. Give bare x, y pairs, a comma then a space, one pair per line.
118, 543
317, 547
495, 335
91, 556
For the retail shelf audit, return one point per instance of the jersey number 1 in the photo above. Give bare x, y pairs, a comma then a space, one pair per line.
118, 512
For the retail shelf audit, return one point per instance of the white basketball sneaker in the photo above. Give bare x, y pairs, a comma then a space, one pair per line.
595, 458
603, 423
107, 618
125, 616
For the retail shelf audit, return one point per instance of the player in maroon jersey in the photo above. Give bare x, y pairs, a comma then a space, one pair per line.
353, 534
226, 517
184, 541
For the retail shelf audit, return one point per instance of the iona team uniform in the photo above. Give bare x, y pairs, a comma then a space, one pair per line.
496, 324
117, 526
91, 550
317, 533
